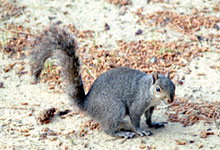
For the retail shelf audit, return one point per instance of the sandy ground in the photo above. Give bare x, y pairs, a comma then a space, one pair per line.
18, 126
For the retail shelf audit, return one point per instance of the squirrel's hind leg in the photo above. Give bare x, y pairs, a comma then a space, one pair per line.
111, 122
135, 120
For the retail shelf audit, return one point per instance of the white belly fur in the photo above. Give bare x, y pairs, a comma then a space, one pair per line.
153, 102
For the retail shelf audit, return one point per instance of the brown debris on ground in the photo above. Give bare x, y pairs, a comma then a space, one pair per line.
9, 9
80, 35
157, 1
44, 116
119, 2
205, 134
14, 43
64, 112
146, 56
51, 75
15, 40
189, 113
90, 124
183, 23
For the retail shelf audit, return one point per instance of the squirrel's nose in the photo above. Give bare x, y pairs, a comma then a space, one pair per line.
169, 101
171, 98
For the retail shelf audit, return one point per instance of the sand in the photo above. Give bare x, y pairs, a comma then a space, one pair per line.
21, 101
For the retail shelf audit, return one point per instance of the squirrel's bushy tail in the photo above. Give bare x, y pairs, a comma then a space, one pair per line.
59, 44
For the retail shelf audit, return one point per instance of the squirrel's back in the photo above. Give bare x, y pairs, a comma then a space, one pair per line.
117, 81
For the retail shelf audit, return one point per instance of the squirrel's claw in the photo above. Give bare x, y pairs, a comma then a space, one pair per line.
144, 133
129, 135
123, 134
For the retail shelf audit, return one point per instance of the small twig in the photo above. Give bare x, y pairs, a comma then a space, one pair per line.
14, 31
13, 107
213, 117
90, 71
116, 138
123, 141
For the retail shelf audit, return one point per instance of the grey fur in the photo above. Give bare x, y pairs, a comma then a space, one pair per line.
113, 95
58, 43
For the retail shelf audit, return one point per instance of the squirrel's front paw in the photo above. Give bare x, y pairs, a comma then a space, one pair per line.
144, 133
156, 125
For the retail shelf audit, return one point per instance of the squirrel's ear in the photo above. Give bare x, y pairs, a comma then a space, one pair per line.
168, 74
154, 77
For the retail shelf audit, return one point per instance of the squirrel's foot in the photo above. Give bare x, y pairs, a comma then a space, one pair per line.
144, 133
124, 134
129, 135
156, 125
33, 80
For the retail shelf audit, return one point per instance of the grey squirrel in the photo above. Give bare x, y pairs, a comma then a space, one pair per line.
114, 94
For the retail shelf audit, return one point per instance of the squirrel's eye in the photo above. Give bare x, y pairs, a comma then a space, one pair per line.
157, 89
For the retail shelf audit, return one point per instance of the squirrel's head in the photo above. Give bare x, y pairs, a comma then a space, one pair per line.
163, 88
